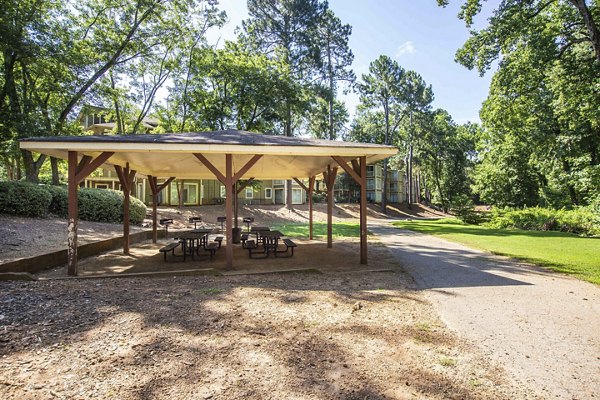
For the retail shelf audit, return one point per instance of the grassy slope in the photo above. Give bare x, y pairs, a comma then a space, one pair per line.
319, 229
561, 252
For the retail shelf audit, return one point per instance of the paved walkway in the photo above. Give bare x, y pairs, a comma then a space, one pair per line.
544, 328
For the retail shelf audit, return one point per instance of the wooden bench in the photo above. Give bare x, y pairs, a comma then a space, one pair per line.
219, 240
212, 248
170, 247
288, 245
251, 245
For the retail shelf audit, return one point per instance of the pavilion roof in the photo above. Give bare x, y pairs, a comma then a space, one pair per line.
172, 154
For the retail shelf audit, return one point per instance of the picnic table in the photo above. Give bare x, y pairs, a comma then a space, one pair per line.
271, 241
193, 240
258, 230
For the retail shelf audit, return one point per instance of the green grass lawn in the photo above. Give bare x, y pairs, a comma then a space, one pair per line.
319, 229
559, 251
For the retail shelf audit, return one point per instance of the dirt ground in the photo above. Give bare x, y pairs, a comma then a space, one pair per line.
334, 335
342, 331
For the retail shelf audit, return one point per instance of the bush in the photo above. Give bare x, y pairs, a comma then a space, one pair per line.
32, 200
462, 206
59, 205
24, 198
107, 206
582, 220
319, 197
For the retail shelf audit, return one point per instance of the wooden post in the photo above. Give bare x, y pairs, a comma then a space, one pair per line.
126, 177
228, 180
330, 182
311, 187
73, 215
358, 172
229, 193
77, 174
363, 210
156, 189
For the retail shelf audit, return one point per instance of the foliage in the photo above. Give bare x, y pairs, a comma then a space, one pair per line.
462, 206
559, 251
580, 220
57, 55
24, 199
59, 205
541, 138
105, 205
33, 200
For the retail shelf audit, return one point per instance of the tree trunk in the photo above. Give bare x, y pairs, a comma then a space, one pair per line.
590, 25
288, 132
54, 167
410, 161
411, 193
32, 167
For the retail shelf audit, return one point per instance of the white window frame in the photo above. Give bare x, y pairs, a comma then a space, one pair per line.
268, 193
294, 190
222, 192
102, 185
188, 202
249, 192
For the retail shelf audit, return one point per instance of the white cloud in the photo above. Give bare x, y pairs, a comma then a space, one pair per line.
406, 48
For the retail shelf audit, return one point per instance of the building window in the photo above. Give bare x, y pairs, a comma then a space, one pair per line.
101, 185
249, 192
268, 193
370, 170
223, 193
190, 193
278, 182
370, 184
296, 196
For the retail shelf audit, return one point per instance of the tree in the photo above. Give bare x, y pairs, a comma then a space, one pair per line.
383, 89
417, 97
230, 88
334, 58
542, 111
57, 52
323, 114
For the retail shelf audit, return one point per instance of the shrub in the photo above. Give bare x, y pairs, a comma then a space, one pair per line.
24, 198
462, 206
582, 220
59, 205
107, 206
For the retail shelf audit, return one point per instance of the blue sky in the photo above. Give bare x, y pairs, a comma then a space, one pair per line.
417, 33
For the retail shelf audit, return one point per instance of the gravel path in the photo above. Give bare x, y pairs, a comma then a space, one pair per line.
541, 326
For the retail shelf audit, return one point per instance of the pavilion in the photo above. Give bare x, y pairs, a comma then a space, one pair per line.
228, 156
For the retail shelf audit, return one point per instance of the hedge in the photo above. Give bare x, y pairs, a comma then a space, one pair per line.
24, 198
581, 220
31, 200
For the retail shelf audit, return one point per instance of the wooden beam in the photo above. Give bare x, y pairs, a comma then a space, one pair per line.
85, 160
347, 168
246, 167
165, 184
356, 166
363, 210
229, 209
73, 215
244, 186
301, 184
211, 167
92, 165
